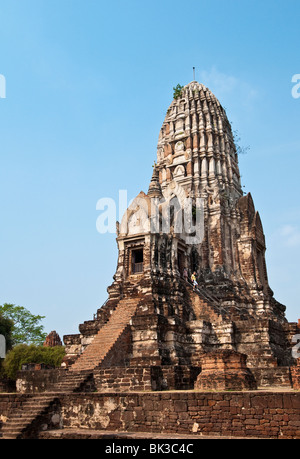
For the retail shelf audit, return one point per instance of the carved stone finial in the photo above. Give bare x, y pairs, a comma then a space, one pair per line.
154, 187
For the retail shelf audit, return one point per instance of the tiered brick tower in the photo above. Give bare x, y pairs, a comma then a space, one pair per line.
194, 216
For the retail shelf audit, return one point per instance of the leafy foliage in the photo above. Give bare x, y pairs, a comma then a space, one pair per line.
177, 91
239, 149
23, 353
26, 326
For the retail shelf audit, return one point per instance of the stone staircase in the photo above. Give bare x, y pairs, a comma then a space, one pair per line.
71, 382
26, 415
39, 404
107, 336
77, 376
204, 304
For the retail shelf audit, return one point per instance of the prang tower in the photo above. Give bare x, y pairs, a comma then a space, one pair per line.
158, 332
153, 319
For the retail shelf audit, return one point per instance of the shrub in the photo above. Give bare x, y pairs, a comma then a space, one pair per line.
177, 91
24, 353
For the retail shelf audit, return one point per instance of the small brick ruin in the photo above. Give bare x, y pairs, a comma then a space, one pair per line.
52, 340
222, 370
157, 331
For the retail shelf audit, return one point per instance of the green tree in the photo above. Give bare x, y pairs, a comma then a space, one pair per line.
26, 326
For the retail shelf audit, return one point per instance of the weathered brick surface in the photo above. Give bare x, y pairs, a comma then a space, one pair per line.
8, 404
145, 378
295, 375
38, 381
263, 415
123, 379
7, 385
236, 414
42, 414
225, 370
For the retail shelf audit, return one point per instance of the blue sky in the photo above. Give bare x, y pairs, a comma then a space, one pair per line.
88, 84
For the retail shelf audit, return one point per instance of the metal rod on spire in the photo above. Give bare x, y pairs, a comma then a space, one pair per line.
194, 73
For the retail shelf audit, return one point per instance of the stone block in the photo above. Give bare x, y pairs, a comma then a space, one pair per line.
225, 370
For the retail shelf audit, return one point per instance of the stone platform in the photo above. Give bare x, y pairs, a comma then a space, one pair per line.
86, 434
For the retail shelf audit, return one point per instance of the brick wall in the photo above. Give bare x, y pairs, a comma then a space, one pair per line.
237, 414
38, 381
165, 377
123, 379
253, 414
295, 374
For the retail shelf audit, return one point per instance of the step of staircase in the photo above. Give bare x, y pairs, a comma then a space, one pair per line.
24, 416
107, 336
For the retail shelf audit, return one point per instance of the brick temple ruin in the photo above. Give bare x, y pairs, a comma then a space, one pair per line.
153, 318
158, 332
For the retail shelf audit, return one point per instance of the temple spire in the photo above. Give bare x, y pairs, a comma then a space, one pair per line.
154, 190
